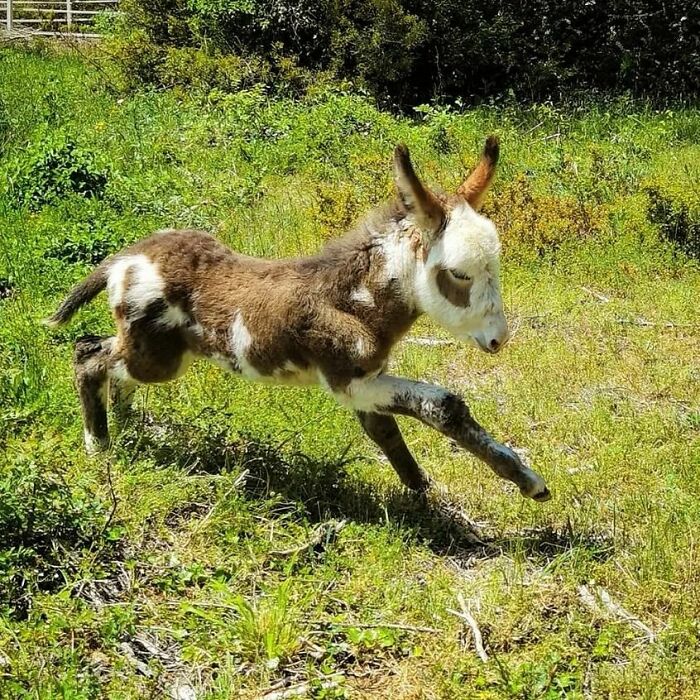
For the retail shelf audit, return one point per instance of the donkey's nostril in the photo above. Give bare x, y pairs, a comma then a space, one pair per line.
494, 345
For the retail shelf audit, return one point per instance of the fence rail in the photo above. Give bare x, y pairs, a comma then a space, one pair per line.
73, 18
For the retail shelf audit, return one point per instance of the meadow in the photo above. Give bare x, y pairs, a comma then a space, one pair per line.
245, 541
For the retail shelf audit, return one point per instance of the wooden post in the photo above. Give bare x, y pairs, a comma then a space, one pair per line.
69, 14
8, 9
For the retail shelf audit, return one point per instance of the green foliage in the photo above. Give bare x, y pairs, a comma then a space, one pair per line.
266, 629
412, 51
44, 523
225, 563
678, 224
55, 169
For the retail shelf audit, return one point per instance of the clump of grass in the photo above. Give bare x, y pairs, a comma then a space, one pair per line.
542, 223
46, 525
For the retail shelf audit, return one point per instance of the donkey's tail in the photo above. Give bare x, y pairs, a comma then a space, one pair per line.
81, 294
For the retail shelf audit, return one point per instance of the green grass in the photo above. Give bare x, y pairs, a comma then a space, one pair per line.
200, 576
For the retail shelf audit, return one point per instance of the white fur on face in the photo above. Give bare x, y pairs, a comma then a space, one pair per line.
470, 245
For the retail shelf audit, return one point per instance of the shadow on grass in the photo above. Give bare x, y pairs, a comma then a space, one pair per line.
329, 489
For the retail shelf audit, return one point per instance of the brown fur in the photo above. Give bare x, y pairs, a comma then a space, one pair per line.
456, 292
296, 310
474, 188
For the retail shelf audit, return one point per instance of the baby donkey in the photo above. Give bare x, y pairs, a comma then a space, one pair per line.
330, 319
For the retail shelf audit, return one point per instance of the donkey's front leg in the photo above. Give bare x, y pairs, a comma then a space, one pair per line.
384, 431
446, 412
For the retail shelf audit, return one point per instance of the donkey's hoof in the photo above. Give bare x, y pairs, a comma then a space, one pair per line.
542, 496
95, 445
536, 489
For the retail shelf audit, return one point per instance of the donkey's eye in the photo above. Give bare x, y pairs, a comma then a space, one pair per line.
460, 275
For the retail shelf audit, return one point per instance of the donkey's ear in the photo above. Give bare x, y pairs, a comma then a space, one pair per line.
474, 188
419, 201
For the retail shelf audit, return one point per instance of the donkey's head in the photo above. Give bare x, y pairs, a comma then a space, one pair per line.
457, 284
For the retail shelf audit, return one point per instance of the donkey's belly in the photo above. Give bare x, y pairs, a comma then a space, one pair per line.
289, 374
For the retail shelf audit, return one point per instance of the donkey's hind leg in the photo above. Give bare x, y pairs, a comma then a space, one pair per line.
91, 361
121, 393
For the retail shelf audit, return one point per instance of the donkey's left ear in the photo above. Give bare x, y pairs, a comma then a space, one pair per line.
475, 187
419, 201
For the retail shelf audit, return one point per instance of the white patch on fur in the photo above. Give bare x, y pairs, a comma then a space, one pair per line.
362, 295
240, 341
379, 393
146, 285
119, 372
174, 316
399, 258
360, 347
93, 445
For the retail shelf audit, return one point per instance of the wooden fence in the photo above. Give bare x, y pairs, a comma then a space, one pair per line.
52, 17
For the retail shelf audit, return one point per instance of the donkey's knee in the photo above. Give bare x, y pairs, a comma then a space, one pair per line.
90, 362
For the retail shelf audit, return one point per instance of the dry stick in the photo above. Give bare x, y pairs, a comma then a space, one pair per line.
419, 340
382, 625
319, 534
295, 691
113, 497
649, 324
600, 297
467, 617
599, 600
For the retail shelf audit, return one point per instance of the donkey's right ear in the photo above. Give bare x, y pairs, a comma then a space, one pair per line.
425, 208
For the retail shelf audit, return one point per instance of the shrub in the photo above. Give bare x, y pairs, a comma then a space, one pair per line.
677, 223
409, 52
538, 222
43, 524
89, 243
57, 170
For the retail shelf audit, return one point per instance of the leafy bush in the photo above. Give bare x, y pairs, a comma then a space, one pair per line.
43, 523
541, 222
55, 171
89, 242
676, 222
408, 52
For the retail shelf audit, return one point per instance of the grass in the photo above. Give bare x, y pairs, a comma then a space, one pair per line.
257, 540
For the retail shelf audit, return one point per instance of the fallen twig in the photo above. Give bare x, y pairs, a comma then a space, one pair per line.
382, 625
599, 600
295, 691
466, 616
644, 323
418, 340
321, 532
600, 297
